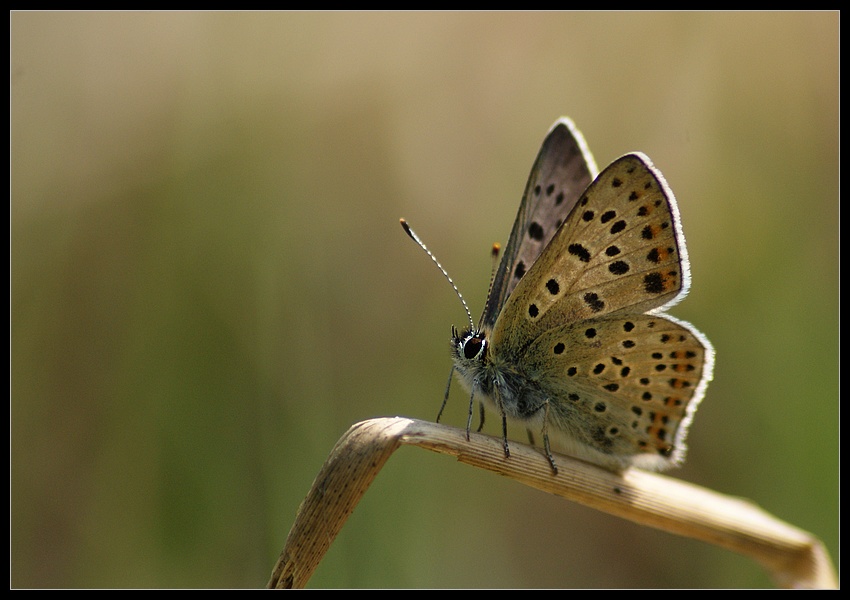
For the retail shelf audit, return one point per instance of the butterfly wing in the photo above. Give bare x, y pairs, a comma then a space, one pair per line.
623, 389
621, 249
562, 171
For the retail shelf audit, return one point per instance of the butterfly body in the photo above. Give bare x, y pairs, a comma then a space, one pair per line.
573, 341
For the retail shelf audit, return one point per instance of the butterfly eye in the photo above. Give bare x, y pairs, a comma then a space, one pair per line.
473, 346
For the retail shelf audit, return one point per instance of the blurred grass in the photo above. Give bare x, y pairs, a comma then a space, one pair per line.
209, 283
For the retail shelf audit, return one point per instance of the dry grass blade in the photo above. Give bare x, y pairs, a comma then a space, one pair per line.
794, 557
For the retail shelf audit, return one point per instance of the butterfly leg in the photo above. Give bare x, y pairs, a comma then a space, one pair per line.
446, 397
546, 447
471, 407
545, 438
501, 406
480, 416
505, 432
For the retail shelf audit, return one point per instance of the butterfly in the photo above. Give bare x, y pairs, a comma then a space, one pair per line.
573, 341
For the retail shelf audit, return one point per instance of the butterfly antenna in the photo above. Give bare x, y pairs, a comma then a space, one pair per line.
416, 239
494, 253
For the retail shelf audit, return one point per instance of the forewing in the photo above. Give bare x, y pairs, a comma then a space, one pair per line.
561, 173
620, 250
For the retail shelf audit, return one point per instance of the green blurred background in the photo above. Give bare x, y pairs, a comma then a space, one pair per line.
209, 284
